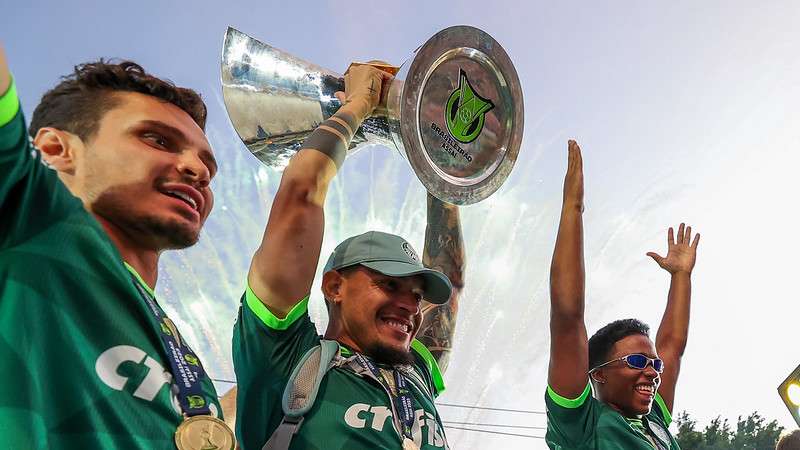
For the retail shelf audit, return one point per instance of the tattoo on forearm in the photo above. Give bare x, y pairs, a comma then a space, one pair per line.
437, 333
444, 251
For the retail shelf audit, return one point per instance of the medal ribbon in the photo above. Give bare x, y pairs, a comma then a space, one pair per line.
187, 371
401, 400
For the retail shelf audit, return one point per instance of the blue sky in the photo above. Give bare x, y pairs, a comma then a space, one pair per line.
685, 111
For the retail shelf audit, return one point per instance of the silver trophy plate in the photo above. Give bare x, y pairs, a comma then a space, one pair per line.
454, 109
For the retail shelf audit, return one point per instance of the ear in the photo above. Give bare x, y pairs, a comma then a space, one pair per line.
58, 148
331, 286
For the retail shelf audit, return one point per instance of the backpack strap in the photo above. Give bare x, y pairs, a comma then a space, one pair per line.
301, 392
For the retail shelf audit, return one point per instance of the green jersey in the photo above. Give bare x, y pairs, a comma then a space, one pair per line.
586, 423
82, 363
351, 412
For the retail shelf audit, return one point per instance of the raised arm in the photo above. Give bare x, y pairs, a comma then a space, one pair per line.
569, 347
674, 329
444, 251
15, 153
283, 267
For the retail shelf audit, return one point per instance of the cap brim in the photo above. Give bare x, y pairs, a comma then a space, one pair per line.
437, 286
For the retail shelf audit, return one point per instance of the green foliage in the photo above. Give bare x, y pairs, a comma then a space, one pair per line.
752, 433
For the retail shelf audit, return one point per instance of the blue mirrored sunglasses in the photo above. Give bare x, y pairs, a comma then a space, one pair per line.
636, 361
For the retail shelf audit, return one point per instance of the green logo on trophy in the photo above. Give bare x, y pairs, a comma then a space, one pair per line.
466, 111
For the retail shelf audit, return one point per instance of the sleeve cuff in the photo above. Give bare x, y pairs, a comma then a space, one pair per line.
664, 410
433, 366
570, 403
9, 104
269, 319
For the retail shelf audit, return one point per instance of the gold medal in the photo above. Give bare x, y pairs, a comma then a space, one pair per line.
204, 433
408, 444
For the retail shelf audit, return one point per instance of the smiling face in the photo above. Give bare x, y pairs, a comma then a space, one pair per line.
630, 391
375, 314
146, 172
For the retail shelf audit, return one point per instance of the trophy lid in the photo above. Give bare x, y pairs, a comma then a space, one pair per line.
461, 115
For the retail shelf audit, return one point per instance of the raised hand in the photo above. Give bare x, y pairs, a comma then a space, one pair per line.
573, 181
363, 89
681, 254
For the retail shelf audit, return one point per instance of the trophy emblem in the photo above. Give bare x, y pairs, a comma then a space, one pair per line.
454, 109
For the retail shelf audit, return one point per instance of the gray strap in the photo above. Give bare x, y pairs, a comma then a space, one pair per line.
283, 435
301, 392
303, 385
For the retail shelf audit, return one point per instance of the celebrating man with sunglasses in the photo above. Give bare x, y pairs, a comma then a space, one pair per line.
627, 371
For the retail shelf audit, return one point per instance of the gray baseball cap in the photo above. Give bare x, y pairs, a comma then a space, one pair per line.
392, 256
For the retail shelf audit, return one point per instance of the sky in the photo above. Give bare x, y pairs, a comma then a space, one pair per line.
685, 111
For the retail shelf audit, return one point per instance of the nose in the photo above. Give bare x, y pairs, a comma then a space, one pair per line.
193, 169
650, 372
409, 301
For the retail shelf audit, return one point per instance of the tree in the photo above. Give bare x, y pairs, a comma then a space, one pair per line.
752, 433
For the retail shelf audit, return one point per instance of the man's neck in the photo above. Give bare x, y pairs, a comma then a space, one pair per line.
616, 408
343, 340
143, 260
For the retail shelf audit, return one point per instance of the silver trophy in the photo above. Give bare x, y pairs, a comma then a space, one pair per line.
454, 109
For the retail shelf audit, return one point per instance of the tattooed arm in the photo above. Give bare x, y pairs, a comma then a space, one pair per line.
444, 251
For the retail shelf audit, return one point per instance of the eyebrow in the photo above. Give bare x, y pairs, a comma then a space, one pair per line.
178, 135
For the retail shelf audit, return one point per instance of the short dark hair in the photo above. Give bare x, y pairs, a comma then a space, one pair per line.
601, 343
789, 441
81, 99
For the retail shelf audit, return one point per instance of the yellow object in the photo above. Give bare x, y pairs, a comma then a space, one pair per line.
793, 392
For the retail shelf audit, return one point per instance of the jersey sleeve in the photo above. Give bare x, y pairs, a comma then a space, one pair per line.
265, 350
31, 195
570, 422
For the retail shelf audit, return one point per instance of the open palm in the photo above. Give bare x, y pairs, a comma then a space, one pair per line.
681, 253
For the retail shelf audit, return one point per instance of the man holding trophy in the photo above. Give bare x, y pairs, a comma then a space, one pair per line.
380, 392
455, 112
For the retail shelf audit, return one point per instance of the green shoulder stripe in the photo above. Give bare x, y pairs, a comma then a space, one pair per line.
433, 366
570, 403
9, 104
262, 312
664, 409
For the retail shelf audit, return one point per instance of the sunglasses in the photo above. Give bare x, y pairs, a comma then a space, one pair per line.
636, 361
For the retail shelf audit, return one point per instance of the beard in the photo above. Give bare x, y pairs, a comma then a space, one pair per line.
158, 232
383, 354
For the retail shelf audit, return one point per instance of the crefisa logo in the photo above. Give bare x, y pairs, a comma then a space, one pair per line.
465, 112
